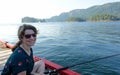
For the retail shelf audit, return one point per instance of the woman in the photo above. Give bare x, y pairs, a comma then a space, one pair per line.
21, 61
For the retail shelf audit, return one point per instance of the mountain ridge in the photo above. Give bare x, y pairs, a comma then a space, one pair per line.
91, 11
110, 9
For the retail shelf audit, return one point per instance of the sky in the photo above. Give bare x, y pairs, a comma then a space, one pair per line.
12, 11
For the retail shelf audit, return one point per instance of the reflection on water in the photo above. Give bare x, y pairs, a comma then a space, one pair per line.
68, 43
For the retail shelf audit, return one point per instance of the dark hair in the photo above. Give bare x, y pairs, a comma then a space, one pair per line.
21, 32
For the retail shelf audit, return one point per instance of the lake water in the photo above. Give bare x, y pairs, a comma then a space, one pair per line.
69, 43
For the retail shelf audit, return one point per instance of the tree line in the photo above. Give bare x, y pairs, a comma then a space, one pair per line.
104, 17
31, 19
98, 17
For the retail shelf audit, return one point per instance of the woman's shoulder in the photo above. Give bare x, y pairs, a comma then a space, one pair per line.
18, 53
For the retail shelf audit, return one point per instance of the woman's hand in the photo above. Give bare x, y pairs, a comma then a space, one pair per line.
36, 58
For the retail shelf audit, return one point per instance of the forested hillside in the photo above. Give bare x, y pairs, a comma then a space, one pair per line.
105, 12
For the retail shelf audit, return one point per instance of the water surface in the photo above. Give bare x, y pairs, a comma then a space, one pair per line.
68, 43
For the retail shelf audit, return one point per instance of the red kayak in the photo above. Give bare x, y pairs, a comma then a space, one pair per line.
48, 64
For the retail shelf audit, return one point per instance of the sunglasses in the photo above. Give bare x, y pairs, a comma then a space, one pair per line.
27, 36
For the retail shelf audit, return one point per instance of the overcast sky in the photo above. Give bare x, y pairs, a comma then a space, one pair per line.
11, 11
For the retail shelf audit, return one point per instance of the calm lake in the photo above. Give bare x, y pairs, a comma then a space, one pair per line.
69, 43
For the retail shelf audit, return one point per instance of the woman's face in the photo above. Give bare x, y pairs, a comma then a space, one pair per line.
29, 37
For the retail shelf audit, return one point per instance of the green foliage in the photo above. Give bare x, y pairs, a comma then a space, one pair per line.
105, 12
104, 17
75, 19
86, 14
31, 19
